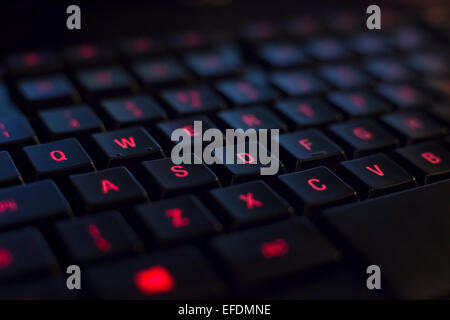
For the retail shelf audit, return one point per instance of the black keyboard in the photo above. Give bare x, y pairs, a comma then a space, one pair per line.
86, 177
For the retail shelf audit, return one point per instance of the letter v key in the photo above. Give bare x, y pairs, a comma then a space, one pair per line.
377, 170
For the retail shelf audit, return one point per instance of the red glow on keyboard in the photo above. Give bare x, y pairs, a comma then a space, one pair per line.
73, 123
179, 171
407, 93
101, 243
316, 185
44, 86
4, 132
250, 201
108, 185
248, 90
190, 130
58, 155
8, 205
134, 109
6, 258
192, 97
212, 61
305, 143
306, 110
274, 249
103, 76
31, 59
140, 45
301, 83
362, 133
376, 169
250, 120
413, 123
154, 280
358, 100
192, 39
431, 157
87, 51
245, 157
125, 143
176, 215
158, 68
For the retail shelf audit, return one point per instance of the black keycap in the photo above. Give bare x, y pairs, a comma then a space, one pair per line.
76, 121
296, 83
249, 204
429, 63
16, 132
256, 74
165, 179
403, 96
428, 161
96, 237
189, 40
414, 125
155, 74
190, 100
33, 62
126, 147
32, 203
182, 273
327, 49
221, 62
362, 137
343, 76
388, 70
309, 148
132, 110
358, 103
257, 117
441, 112
369, 44
303, 26
7, 106
408, 38
141, 46
258, 31
89, 54
25, 253
110, 188
377, 175
55, 90
243, 92
402, 242
9, 175
58, 159
309, 112
314, 189
176, 220
101, 82
281, 55
263, 255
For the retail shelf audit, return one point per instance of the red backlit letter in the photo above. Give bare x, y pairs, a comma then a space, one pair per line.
376, 169
6, 258
305, 143
362, 133
250, 201
246, 157
178, 220
154, 280
321, 187
58, 155
274, 249
108, 185
101, 243
179, 171
431, 157
124, 143
251, 120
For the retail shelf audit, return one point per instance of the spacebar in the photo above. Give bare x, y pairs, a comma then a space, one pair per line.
406, 234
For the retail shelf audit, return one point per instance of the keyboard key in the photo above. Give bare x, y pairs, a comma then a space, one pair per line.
7, 106
377, 175
25, 253
9, 175
186, 101
358, 103
141, 46
309, 148
166, 179
413, 125
294, 83
377, 229
102, 82
222, 62
182, 273
33, 62
111, 188
58, 159
281, 55
266, 254
176, 220
258, 31
327, 49
257, 117
89, 54
428, 161
314, 189
388, 70
243, 92
369, 44
343, 76
189, 40
303, 26
97, 237
430, 64
155, 74
125, 147
309, 112
47, 91
32, 203
403, 96
75, 121
249, 204
16, 132
132, 110
409, 38
362, 137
